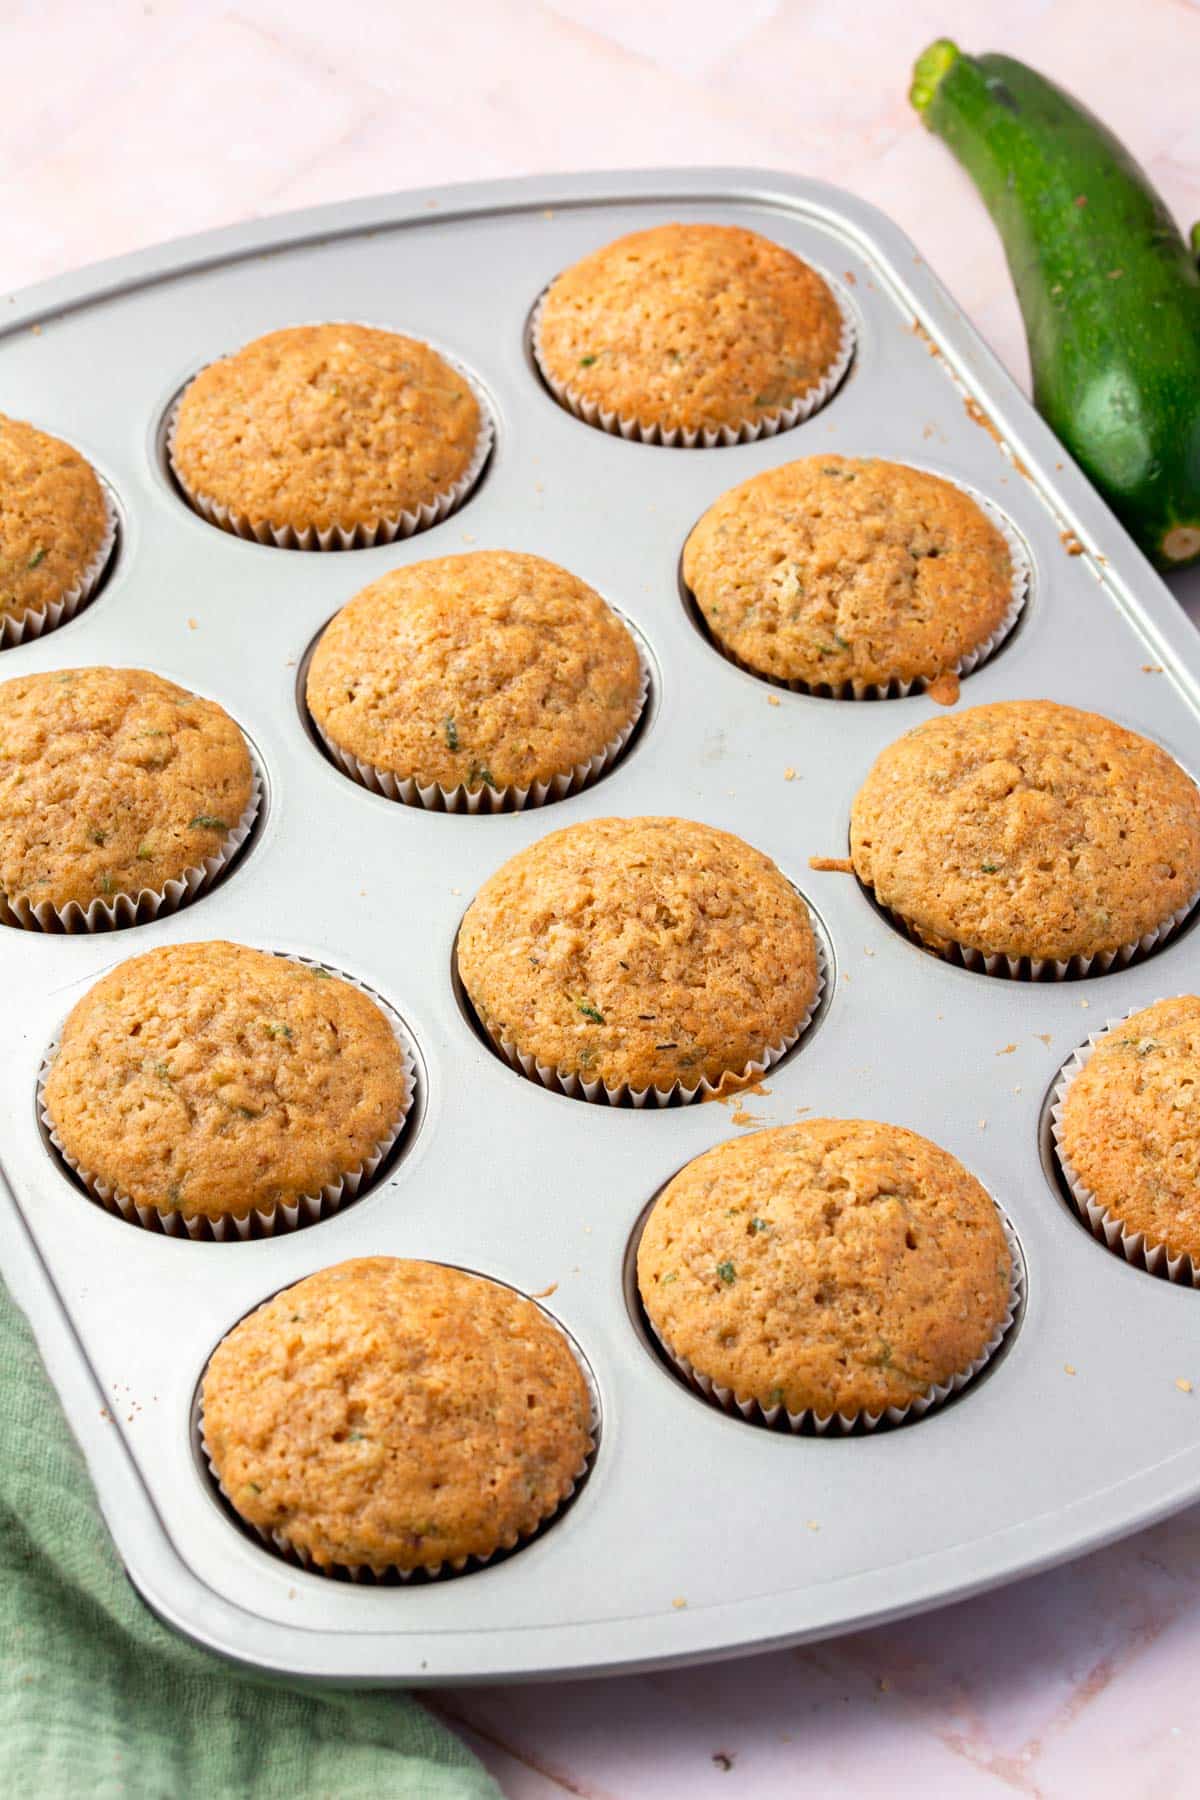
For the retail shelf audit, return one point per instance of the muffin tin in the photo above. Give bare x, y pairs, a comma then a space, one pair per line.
697, 1534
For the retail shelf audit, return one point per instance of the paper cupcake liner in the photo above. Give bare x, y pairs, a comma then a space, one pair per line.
812, 1423
286, 1216
1043, 968
561, 1081
345, 537
1135, 1246
463, 799
35, 622
895, 689
120, 910
708, 437
279, 1544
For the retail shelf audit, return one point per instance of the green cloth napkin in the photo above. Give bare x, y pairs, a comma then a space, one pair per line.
98, 1701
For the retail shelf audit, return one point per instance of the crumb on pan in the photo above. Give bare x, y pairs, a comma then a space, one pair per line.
946, 689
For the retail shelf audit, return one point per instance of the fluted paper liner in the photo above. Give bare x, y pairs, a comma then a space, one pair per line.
23, 627
345, 537
489, 799
281, 1545
840, 1424
116, 911
283, 1216
1043, 968
895, 689
561, 1081
706, 437
1143, 1252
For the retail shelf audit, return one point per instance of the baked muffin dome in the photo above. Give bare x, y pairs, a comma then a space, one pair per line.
837, 1265
212, 1080
387, 1414
54, 524
112, 781
1129, 1129
689, 327
493, 669
837, 571
1028, 829
316, 426
645, 952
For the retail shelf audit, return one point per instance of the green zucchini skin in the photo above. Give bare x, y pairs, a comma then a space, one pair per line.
1109, 291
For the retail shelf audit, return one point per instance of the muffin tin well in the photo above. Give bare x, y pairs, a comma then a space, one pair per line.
831, 1429
483, 799
1103, 1229
127, 911
311, 1209
27, 627
672, 1550
653, 1099
774, 425
406, 524
395, 1577
1023, 597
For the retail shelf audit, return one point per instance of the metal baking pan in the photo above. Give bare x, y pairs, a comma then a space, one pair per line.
697, 1535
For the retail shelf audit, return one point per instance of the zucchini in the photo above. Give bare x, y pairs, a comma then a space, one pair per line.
1109, 291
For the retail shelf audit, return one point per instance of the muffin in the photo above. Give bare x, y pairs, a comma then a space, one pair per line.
390, 1416
56, 530
496, 673
115, 786
328, 434
836, 1266
1031, 832
1128, 1136
690, 333
203, 1083
627, 955
851, 576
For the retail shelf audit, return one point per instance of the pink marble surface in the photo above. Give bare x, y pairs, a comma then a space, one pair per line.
132, 122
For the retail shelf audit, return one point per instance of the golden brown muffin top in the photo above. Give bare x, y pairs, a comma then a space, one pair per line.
1129, 1125
111, 781
326, 425
690, 326
648, 951
53, 520
1028, 828
495, 668
394, 1414
214, 1080
838, 569
838, 1264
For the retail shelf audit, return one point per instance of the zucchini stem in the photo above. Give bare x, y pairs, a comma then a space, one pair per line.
931, 69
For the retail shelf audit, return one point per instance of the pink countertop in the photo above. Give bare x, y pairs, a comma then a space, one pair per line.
133, 122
